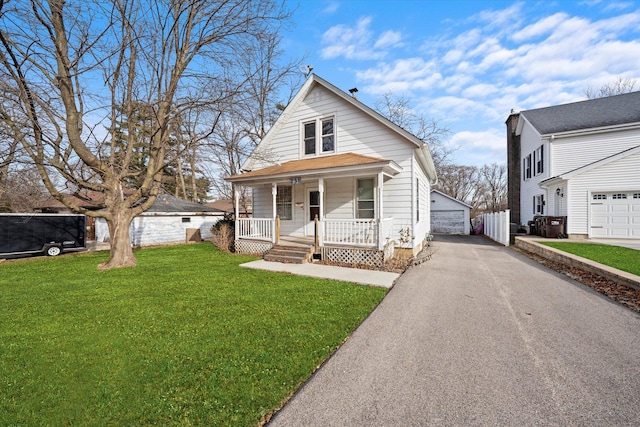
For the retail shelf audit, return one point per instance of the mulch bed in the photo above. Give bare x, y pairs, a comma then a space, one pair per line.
624, 295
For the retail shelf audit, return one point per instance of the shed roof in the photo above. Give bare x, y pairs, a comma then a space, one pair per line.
167, 203
594, 113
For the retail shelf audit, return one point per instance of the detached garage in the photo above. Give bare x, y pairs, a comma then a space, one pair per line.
449, 215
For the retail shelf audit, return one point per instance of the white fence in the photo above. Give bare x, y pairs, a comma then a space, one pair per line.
496, 226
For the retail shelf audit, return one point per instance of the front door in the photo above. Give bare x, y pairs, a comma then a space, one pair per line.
313, 210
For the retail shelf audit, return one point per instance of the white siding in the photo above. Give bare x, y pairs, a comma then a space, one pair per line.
577, 151
621, 175
161, 229
530, 141
355, 132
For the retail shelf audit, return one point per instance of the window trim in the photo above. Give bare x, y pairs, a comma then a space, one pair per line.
526, 167
538, 160
358, 200
283, 203
318, 149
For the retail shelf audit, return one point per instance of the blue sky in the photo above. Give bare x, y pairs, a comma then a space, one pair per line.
468, 63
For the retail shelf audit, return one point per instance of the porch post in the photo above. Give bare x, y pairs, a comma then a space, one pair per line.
274, 192
236, 211
380, 215
321, 211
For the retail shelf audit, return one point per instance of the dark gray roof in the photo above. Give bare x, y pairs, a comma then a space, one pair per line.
167, 203
594, 113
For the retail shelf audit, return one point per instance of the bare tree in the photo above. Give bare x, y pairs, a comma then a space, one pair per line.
79, 68
617, 87
460, 182
399, 111
492, 193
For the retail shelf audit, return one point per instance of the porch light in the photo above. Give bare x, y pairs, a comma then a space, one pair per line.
559, 192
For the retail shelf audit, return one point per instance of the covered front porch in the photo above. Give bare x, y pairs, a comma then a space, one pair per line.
332, 204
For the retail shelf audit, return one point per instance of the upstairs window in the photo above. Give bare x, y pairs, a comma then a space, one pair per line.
526, 168
318, 136
310, 138
538, 156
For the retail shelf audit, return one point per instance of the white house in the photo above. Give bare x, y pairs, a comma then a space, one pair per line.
167, 222
449, 215
329, 156
580, 161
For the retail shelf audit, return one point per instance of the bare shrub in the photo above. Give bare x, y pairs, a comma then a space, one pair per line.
223, 236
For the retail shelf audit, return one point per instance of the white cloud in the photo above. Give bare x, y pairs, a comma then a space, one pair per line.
358, 42
388, 39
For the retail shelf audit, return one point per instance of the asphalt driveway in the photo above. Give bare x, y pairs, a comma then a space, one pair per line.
480, 335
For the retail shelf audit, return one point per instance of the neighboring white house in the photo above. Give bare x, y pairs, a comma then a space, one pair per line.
449, 215
582, 161
166, 222
328, 155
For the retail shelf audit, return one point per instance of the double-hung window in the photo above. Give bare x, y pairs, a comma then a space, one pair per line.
365, 198
526, 168
319, 136
284, 202
538, 157
538, 204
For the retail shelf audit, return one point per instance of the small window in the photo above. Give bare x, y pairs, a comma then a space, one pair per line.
310, 138
636, 195
539, 160
599, 197
526, 167
538, 204
327, 135
619, 196
186, 219
365, 199
284, 202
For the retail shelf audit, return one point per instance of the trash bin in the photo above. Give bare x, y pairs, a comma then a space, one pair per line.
554, 226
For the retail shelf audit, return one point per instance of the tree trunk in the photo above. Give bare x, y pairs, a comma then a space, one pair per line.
121, 254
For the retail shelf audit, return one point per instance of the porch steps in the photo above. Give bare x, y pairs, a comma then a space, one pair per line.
289, 254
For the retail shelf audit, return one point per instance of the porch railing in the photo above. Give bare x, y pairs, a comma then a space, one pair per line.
357, 232
255, 228
351, 232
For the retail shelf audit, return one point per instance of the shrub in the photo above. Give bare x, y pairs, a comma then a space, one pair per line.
224, 235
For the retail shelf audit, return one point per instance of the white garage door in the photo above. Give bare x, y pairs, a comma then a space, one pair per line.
449, 222
615, 214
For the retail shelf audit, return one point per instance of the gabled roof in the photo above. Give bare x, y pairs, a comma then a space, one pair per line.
451, 198
167, 203
596, 113
314, 81
570, 174
318, 165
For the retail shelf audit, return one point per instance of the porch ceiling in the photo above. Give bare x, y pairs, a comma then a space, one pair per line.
326, 166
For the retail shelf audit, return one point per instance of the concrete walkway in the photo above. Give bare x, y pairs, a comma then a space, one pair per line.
480, 335
354, 275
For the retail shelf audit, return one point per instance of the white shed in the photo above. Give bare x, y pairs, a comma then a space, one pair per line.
166, 222
449, 215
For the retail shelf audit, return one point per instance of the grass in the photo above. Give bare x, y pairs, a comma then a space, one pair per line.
624, 259
185, 338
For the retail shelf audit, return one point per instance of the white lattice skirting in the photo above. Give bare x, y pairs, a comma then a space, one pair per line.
252, 247
355, 256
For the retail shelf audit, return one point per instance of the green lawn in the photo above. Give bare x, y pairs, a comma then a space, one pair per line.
624, 259
185, 338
